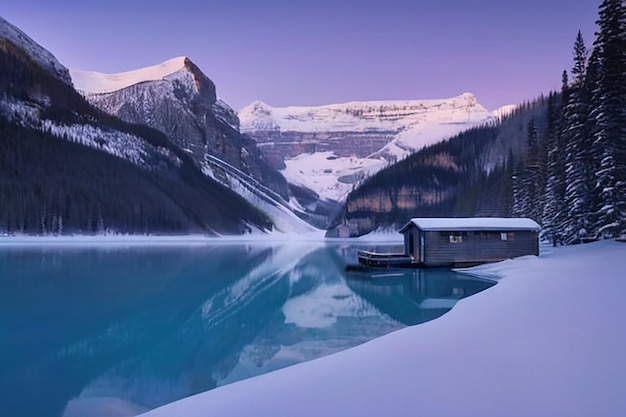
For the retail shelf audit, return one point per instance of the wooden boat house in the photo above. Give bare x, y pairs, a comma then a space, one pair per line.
468, 241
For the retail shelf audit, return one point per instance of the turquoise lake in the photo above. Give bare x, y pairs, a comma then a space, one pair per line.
93, 330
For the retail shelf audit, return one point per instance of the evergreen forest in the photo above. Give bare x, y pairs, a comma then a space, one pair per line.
52, 185
560, 159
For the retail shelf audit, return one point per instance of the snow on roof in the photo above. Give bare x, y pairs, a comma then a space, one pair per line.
472, 223
97, 82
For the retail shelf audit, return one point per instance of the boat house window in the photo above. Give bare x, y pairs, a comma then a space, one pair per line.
457, 237
507, 236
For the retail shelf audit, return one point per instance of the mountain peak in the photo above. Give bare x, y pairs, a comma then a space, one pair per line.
92, 82
362, 116
328, 149
36, 52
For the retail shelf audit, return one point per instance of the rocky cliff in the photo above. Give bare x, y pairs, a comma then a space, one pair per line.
176, 98
329, 149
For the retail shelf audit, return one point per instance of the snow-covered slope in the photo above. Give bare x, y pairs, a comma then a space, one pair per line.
160, 96
504, 110
329, 148
361, 116
91, 82
179, 71
35, 51
160, 177
177, 98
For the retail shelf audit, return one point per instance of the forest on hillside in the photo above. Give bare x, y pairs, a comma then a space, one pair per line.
53, 184
573, 179
560, 160
471, 174
50, 185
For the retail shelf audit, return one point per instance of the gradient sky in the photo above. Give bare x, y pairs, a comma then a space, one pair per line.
319, 52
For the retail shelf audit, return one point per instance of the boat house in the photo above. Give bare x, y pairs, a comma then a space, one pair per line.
468, 241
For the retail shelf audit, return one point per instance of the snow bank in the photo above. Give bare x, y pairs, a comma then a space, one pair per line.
548, 340
157, 240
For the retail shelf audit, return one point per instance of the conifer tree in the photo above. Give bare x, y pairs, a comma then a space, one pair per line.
527, 187
591, 128
609, 118
554, 195
577, 222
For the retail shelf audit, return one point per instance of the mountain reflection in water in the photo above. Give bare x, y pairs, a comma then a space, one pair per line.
147, 326
415, 296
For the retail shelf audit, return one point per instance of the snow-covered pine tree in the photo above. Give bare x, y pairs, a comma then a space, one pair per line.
577, 222
554, 194
591, 86
527, 182
533, 173
609, 103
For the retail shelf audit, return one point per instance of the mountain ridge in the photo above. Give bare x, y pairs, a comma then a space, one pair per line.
360, 116
68, 167
178, 99
35, 51
329, 149
94, 82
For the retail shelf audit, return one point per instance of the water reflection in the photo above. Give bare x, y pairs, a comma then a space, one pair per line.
415, 296
147, 326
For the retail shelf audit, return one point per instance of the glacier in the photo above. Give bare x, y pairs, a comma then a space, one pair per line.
329, 149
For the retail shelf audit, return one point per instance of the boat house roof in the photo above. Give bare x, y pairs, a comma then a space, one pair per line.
472, 224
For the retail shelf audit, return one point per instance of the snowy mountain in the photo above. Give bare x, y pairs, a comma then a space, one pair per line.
10, 33
329, 149
67, 167
473, 174
177, 98
98, 83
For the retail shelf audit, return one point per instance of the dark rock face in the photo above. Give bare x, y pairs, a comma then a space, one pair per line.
278, 146
184, 106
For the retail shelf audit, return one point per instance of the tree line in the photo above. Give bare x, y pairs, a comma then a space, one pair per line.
54, 186
560, 159
573, 182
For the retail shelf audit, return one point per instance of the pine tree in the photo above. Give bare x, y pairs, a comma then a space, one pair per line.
577, 222
609, 116
554, 195
591, 128
533, 179
528, 183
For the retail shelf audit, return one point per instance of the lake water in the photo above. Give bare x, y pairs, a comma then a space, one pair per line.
109, 330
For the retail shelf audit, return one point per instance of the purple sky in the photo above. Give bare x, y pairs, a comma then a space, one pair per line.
326, 51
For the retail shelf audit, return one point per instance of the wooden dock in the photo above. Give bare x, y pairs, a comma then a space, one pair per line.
385, 260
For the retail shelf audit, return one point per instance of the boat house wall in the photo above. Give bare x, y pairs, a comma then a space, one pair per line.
467, 244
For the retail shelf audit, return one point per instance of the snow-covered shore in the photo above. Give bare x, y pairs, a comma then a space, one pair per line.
155, 240
548, 340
